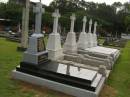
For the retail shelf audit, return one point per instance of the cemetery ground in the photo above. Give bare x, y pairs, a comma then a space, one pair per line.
117, 85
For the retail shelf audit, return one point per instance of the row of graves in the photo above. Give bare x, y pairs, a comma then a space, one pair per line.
115, 42
79, 68
14, 36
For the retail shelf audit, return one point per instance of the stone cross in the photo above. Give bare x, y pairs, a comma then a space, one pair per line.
38, 19
56, 15
95, 27
84, 23
90, 25
72, 22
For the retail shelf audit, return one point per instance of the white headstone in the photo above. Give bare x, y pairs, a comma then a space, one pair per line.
56, 15
36, 48
54, 41
82, 42
90, 35
95, 35
70, 43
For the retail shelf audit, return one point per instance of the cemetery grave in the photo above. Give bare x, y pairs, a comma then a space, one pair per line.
73, 69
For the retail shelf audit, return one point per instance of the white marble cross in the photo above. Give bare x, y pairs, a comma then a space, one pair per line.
90, 25
72, 22
56, 15
38, 19
84, 23
95, 27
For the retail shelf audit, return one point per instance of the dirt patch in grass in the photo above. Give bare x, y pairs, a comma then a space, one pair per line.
41, 91
108, 91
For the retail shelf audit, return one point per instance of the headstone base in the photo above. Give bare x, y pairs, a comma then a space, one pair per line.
36, 52
90, 40
94, 40
70, 43
82, 43
37, 58
54, 46
54, 55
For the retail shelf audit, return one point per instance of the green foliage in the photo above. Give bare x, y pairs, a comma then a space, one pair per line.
11, 11
106, 15
127, 20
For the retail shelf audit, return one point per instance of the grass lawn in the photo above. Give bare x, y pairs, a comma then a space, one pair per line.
118, 84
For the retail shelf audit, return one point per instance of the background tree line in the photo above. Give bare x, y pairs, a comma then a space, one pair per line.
111, 18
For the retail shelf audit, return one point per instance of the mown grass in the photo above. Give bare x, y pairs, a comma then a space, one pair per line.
9, 59
120, 76
119, 79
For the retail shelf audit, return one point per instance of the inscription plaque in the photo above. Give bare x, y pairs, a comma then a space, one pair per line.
43, 58
40, 44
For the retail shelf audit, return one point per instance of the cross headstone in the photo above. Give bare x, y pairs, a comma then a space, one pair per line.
54, 40
90, 25
36, 53
38, 10
70, 44
72, 22
84, 23
90, 35
95, 27
56, 16
95, 35
82, 42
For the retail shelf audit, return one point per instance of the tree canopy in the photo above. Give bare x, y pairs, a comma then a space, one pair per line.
111, 18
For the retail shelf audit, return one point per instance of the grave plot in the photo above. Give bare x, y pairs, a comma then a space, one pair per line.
74, 81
